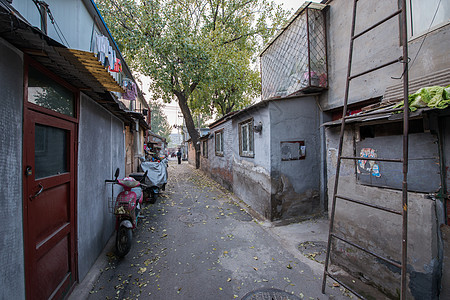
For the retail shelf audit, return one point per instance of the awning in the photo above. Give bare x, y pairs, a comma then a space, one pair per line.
140, 117
387, 113
94, 72
79, 68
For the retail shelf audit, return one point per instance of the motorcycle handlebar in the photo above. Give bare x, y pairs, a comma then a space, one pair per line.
109, 180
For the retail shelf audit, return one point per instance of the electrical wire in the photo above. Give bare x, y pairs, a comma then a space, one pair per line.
426, 34
58, 30
56, 26
421, 44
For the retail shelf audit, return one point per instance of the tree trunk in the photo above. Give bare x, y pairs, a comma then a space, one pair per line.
195, 136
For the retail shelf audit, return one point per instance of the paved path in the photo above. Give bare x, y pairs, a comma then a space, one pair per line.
196, 243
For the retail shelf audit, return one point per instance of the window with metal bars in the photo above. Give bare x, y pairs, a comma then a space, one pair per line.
297, 59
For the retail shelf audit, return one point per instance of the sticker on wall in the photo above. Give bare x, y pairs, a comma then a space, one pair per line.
368, 166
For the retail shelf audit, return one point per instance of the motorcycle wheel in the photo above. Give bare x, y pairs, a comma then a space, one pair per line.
123, 241
153, 197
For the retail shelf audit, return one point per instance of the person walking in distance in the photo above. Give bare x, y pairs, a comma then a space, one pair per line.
179, 156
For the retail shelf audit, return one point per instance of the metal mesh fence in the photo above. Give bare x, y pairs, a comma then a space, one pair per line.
296, 60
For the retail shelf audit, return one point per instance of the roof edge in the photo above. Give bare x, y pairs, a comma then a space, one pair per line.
259, 104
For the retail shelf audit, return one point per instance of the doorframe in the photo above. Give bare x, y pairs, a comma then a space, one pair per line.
28, 109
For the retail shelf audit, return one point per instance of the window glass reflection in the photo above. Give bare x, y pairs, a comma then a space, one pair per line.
50, 151
47, 93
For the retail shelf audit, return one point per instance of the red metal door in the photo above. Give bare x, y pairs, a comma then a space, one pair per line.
49, 205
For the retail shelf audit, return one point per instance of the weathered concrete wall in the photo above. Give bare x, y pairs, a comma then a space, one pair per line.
101, 150
373, 49
445, 283
220, 167
251, 175
205, 162
295, 183
191, 153
12, 276
379, 231
138, 149
433, 56
129, 150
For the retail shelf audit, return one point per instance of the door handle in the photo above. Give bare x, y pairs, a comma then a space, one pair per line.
39, 192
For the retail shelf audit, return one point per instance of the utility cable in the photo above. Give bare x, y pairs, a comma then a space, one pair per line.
421, 44
56, 26
426, 34
52, 20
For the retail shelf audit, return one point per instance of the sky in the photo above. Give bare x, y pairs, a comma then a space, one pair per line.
172, 110
292, 4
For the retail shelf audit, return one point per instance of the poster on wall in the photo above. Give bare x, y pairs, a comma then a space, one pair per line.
423, 159
293, 150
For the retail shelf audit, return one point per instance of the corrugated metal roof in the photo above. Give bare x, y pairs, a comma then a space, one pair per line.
384, 113
259, 104
395, 93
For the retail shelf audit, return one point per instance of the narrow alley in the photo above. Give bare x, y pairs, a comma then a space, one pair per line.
196, 243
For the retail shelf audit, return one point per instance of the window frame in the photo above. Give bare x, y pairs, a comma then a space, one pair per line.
413, 32
205, 148
250, 141
28, 62
218, 150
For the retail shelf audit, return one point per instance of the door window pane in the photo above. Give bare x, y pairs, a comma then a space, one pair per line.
47, 93
50, 151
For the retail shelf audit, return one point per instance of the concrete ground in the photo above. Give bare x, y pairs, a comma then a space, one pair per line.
199, 242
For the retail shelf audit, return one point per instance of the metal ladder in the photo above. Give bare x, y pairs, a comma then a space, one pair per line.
404, 211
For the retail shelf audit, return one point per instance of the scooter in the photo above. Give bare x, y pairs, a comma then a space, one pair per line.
126, 207
155, 177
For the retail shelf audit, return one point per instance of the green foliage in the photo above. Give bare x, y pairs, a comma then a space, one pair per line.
200, 52
160, 125
231, 84
181, 44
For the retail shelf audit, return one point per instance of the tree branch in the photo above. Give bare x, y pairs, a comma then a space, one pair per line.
239, 37
192, 87
234, 10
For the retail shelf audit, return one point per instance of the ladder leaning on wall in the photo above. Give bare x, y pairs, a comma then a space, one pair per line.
401, 13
